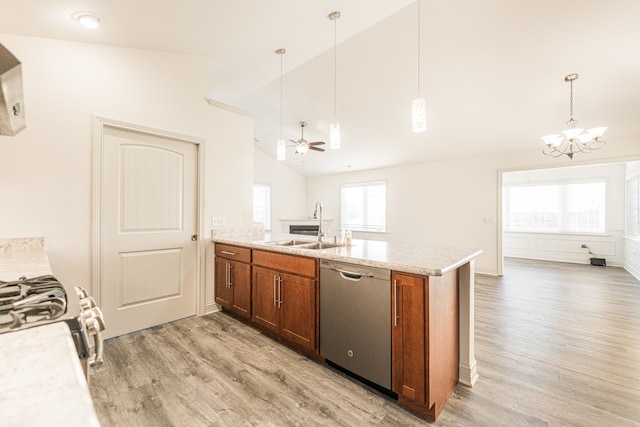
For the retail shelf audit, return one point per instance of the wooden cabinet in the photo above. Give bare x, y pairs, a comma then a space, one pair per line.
233, 279
284, 289
424, 340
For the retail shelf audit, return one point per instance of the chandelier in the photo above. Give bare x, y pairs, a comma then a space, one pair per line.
573, 139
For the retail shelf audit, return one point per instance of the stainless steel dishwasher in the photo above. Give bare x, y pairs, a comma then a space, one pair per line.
355, 319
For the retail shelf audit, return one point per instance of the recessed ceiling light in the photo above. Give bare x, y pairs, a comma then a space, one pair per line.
88, 19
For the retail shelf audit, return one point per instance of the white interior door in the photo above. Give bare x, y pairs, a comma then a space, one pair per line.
149, 215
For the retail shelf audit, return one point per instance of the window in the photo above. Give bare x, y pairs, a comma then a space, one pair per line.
570, 207
262, 204
364, 206
633, 207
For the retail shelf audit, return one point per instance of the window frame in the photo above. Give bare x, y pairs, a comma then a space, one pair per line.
563, 210
632, 206
365, 226
267, 207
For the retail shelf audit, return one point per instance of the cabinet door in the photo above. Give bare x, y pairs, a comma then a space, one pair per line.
297, 309
223, 292
264, 291
408, 337
241, 288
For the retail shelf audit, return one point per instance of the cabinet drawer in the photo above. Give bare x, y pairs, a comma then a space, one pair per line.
286, 263
233, 252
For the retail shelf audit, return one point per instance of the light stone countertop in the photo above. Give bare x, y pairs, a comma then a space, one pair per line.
416, 259
42, 381
23, 256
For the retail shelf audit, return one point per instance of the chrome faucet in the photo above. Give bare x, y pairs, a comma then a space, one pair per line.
317, 214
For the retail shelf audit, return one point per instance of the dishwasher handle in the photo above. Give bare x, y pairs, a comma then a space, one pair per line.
349, 275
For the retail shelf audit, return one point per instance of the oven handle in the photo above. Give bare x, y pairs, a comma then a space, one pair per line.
97, 360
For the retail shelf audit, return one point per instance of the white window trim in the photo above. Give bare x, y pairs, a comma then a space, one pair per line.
594, 180
267, 227
361, 229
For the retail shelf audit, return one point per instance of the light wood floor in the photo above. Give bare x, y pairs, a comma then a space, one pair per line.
556, 345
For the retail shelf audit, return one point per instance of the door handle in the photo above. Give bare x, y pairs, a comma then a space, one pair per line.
194, 237
230, 281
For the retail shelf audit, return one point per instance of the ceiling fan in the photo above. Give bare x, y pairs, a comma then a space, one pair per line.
302, 145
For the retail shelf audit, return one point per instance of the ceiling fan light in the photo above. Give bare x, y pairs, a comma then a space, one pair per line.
281, 149
334, 135
597, 132
553, 140
572, 133
419, 115
301, 149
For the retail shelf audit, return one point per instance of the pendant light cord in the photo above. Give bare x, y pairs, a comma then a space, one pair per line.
335, 70
418, 49
281, 94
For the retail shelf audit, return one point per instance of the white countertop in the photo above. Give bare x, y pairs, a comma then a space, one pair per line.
41, 379
417, 259
23, 256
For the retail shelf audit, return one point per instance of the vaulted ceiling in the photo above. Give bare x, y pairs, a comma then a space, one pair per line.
492, 71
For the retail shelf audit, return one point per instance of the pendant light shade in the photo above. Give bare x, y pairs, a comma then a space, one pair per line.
334, 135
281, 152
282, 149
419, 115
334, 128
419, 105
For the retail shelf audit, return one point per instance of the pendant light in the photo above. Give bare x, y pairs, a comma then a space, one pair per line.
281, 144
334, 128
419, 106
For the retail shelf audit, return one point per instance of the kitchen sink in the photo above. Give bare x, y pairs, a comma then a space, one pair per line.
318, 245
289, 242
302, 244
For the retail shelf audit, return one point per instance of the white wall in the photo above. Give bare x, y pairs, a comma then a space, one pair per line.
288, 188
46, 174
566, 247
454, 202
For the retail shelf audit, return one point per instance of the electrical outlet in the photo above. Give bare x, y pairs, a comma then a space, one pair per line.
217, 221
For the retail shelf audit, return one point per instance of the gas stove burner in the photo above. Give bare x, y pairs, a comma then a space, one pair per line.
31, 301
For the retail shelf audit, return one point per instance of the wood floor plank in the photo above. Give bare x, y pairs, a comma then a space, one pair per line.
556, 345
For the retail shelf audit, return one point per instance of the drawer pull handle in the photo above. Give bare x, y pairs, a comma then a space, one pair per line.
228, 253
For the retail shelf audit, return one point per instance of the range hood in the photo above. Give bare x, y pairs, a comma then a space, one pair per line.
11, 96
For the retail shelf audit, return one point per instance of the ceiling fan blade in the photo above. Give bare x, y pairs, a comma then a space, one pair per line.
316, 149
317, 143
295, 142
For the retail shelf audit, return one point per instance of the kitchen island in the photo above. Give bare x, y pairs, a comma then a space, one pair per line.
428, 267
